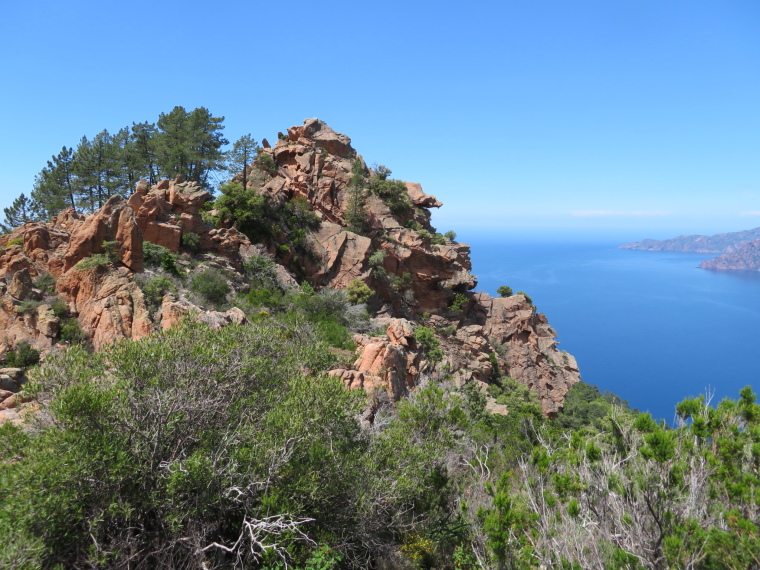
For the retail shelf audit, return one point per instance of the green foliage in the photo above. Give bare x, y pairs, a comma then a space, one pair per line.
265, 163
45, 283
247, 210
358, 292
211, 285
392, 192
242, 154
16, 241
527, 298
16, 214
189, 143
585, 406
155, 289
439, 239
427, 340
93, 261
459, 302
401, 282
71, 332
29, 307
22, 356
356, 215
450, 235
376, 258
191, 242
504, 291
159, 256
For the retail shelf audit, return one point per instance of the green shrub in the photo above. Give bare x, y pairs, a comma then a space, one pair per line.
22, 356
261, 271
358, 292
527, 298
211, 285
450, 235
93, 261
71, 332
16, 241
111, 249
60, 309
159, 256
45, 283
438, 239
155, 289
459, 302
424, 234
504, 291
377, 258
401, 283
428, 342
265, 163
392, 192
191, 242
247, 210
29, 307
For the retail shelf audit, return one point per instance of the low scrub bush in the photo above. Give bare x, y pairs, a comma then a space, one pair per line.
211, 285
155, 289
191, 242
158, 256
93, 261
22, 356
72, 333
45, 283
358, 292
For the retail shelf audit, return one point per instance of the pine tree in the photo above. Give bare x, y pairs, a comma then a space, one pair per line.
54, 187
242, 154
356, 216
18, 213
141, 156
189, 143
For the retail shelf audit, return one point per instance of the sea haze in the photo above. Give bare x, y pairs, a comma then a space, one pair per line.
648, 326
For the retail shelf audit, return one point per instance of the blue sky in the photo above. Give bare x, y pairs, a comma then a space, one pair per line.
637, 117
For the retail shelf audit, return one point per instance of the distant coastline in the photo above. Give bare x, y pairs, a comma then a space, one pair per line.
738, 250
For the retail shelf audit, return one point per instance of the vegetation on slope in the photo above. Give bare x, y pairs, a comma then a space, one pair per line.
198, 448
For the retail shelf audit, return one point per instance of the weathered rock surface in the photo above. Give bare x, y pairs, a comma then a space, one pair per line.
389, 363
415, 275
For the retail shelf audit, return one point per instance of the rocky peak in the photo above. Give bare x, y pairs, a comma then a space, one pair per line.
418, 278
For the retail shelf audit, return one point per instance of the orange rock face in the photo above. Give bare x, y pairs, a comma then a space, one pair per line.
418, 277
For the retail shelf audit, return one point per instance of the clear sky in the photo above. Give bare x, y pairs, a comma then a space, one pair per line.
585, 116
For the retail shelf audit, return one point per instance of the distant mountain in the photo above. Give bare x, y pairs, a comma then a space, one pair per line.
745, 257
718, 243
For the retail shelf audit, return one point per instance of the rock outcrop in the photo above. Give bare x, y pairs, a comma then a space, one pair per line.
746, 258
416, 276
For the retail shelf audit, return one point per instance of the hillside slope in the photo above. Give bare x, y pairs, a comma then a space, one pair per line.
303, 190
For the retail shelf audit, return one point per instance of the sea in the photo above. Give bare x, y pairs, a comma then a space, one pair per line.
650, 327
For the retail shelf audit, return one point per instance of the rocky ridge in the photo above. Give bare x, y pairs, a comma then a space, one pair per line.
745, 257
416, 277
717, 243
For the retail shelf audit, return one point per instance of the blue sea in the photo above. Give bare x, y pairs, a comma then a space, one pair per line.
649, 326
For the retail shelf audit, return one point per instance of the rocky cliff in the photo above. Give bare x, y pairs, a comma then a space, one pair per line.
416, 277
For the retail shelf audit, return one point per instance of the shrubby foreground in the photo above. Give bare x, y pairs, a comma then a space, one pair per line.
201, 448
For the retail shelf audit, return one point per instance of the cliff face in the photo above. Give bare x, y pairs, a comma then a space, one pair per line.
415, 282
717, 243
745, 257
